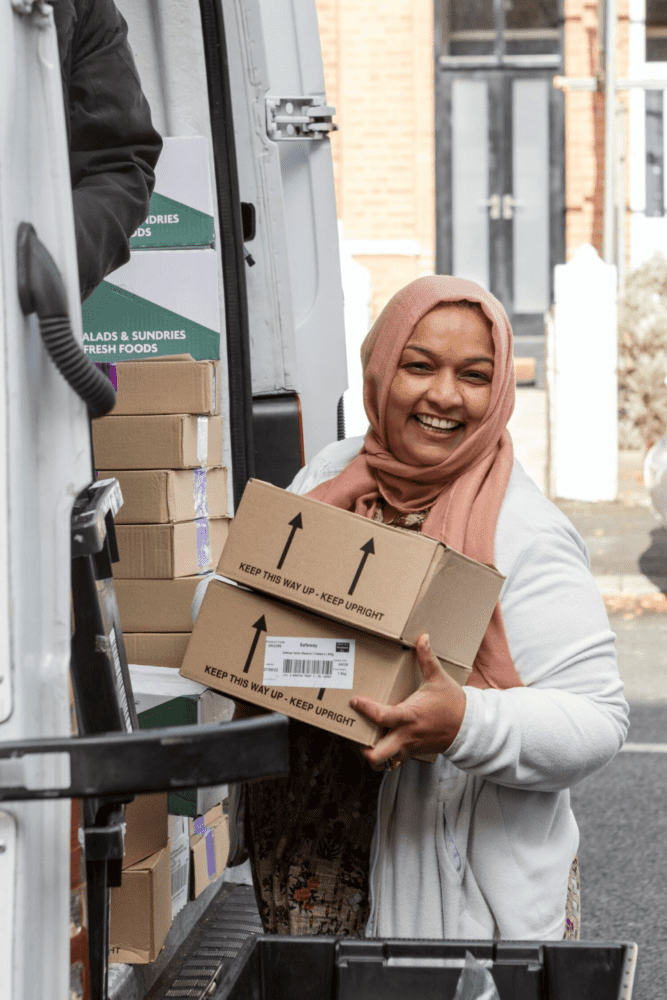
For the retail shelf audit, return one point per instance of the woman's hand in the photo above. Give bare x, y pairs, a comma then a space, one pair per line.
426, 722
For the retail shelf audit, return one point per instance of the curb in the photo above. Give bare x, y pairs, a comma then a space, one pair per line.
629, 591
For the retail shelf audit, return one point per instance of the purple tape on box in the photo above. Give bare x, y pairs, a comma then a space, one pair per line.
203, 543
200, 493
199, 825
210, 852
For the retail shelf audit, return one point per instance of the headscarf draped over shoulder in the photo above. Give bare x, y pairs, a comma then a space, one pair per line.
464, 493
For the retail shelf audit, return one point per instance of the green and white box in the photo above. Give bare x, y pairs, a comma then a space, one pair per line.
157, 304
181, 209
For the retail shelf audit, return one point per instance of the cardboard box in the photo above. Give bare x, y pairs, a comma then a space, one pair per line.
145, 827
165, 551
172, 441
209, 843
393, 583
165, 496
179, 840
181, 207
156, 605
156, 649
155, 305
237, 628
141, 911
177, 384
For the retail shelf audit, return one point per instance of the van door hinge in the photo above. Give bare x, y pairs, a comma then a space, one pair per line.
292, 118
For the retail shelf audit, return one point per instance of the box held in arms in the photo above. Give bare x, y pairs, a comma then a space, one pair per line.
156, 605
393, 583
171, 441
141, 910
250, 646
209, 845
176, 384
168, 496
165, 551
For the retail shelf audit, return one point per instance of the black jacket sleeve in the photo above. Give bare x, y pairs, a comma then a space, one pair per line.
113, 145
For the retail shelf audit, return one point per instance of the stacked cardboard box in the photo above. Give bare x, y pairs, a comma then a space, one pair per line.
141, 908
336, 606
163, 443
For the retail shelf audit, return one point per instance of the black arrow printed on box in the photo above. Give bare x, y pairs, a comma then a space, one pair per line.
259, 626
368, 550
296, 522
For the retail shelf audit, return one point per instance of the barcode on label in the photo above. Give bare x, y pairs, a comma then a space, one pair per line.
178, 879
323, 668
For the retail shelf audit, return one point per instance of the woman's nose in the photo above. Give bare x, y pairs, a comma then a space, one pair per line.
444, 390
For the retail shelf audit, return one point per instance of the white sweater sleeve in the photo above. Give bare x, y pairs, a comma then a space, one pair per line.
572, 717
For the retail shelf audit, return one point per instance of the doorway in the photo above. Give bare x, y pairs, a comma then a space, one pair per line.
500, 179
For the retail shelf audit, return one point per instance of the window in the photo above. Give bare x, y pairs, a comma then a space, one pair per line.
655, 153
656, 30
526, 27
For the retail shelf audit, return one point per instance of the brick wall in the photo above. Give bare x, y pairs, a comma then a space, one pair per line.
584, 123
378, 65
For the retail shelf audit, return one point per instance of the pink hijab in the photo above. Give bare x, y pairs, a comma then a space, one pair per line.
463, 493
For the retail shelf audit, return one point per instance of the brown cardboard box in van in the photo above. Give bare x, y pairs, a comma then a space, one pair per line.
394, 583
141, 911
250, 646
146, 828
156, 649
156, 605
165, 551
209, 844
174, 441
176, 384
163, 496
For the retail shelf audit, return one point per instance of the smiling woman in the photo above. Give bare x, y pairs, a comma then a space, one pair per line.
482, 843
442, 387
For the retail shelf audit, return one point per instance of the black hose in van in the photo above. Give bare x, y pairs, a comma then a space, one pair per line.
41, 290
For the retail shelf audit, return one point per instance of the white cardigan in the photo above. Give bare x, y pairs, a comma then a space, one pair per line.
479, 844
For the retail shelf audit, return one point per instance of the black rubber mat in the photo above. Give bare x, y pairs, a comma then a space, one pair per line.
196, 967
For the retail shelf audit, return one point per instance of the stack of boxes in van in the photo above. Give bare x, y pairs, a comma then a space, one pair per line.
164, 445
337, 604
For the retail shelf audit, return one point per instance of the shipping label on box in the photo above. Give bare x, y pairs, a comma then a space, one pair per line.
209, 842
179, 840
178, 384
155, 305
162, 496
181, 207
394, 583
140, 915
238, 642
171, 441
165, 551
156, 605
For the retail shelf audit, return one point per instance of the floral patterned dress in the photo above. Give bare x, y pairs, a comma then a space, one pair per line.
309, 834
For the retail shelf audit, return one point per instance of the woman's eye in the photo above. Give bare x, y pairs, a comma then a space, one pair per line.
478, 376
418, 366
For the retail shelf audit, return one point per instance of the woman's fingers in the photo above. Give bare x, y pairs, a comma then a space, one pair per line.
428, 662
385, 716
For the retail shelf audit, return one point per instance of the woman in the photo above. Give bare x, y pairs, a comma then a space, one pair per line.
482, 843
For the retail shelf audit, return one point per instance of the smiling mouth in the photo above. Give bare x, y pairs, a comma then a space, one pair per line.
440, 426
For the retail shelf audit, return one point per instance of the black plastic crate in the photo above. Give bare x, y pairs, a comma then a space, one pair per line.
327, 968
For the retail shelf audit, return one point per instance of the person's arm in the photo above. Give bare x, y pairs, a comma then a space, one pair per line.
568, 721
113, 145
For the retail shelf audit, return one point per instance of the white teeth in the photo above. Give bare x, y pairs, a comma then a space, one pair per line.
443, 425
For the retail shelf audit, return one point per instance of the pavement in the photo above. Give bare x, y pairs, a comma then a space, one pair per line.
627, 544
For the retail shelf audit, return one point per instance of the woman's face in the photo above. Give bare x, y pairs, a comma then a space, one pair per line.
442, 387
